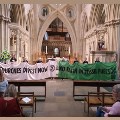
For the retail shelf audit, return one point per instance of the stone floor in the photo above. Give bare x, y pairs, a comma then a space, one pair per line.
59, 101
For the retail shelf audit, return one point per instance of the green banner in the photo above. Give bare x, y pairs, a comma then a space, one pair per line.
96, 71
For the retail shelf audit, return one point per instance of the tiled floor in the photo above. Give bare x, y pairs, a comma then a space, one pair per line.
59, 100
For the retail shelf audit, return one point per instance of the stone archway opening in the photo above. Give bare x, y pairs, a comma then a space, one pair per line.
56, 37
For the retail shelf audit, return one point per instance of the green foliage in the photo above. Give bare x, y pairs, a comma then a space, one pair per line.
5, 55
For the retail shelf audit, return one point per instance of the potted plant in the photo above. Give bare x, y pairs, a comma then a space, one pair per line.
5, 55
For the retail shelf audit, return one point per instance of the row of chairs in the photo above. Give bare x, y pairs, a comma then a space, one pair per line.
95, 99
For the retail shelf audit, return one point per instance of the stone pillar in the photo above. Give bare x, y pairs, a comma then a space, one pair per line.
118, 47
110, 38
83, 50
17, 45
96, 43
2, 35
9, 39
12, 47
106, 40
114, 38
79, 42
35, 27
4, 20
7, 43
108, 43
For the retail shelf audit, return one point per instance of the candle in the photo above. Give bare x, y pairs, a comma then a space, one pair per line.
46, 50
69, 50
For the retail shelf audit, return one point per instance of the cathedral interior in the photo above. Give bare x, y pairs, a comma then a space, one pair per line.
82, 31
61, 30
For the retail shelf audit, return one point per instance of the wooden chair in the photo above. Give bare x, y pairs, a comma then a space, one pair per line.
92, 100
31, 103
95, 99
107, 99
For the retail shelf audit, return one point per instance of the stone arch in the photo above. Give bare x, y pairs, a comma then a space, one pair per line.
17, 14
48, 21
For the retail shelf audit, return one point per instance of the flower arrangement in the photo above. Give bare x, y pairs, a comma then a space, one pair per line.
5, 55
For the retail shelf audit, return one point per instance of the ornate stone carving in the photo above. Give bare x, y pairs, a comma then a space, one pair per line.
70, 13
112, 22
4, 18
44, 12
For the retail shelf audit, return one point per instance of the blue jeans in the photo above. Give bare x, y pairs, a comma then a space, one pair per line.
99, 112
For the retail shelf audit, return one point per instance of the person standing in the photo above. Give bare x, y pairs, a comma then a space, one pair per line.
25, 60
76, 60
85, 61
97, 60
39, 60
13, 59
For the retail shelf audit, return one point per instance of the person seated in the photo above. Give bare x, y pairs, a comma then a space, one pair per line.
24, 60
10, 91
9, 104
39, 60
115, 109
3, 84
76, 60
13, 59
85, 61
97, 60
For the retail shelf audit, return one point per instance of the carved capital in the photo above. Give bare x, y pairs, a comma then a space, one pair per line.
4, 18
